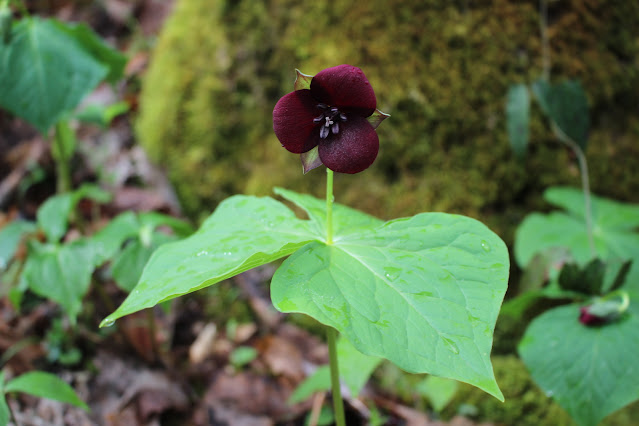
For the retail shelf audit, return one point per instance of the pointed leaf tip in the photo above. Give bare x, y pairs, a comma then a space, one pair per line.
302, 81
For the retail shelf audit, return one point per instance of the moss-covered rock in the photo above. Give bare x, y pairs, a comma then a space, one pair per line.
441, 68
525, 404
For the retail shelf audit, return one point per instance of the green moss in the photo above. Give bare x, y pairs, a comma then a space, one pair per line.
440, 68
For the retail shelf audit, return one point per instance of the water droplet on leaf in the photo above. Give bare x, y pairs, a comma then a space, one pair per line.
108, 322
485, 246
392, 273
450, 345
202, 253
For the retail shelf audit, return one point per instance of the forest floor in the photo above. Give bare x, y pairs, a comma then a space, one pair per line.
187, 363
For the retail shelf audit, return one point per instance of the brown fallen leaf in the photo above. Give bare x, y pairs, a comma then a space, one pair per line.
281, 357
202, 347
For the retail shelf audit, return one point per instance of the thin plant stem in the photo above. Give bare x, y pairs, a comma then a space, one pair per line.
338, 404
585, 182
63, 168
545, 45
329, 206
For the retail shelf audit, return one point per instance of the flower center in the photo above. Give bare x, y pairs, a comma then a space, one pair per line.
329, 119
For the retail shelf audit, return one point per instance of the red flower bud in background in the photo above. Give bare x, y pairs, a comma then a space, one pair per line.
586, 318
330, 119
603, 311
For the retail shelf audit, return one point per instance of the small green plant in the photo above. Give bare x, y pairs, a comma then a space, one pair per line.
62, 270
423, 292
36, 383
47, 68
582, 353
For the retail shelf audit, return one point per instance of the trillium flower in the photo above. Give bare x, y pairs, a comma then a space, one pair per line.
330, 119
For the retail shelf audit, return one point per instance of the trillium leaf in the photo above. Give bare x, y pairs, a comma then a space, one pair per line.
45, 72
423, 292
566, 105
242, 233
302, 81
345, 219
590, 371
517, 118
614, 234
45, 385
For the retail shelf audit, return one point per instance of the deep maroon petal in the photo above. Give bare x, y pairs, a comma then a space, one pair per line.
345, 87
353, 149
293, 121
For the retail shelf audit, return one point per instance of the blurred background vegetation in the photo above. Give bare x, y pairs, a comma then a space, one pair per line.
440, 68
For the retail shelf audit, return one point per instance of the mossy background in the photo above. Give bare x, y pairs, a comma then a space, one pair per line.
441, 68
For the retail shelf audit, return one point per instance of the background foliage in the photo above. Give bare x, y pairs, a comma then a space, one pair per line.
442, 69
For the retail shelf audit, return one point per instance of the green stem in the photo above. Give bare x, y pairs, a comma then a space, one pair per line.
338, 404
329, 206
545, 45
62, 161
585, 183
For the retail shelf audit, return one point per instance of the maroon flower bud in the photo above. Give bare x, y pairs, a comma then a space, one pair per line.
586, 318
332, 117
603, 311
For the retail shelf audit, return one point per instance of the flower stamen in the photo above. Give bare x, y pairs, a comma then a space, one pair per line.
331, 118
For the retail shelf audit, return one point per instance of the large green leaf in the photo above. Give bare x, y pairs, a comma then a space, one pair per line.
518, 118
423, 292
45, 385
345, 219
589, 371
61, 273
242, 233
45, 72
613, 230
